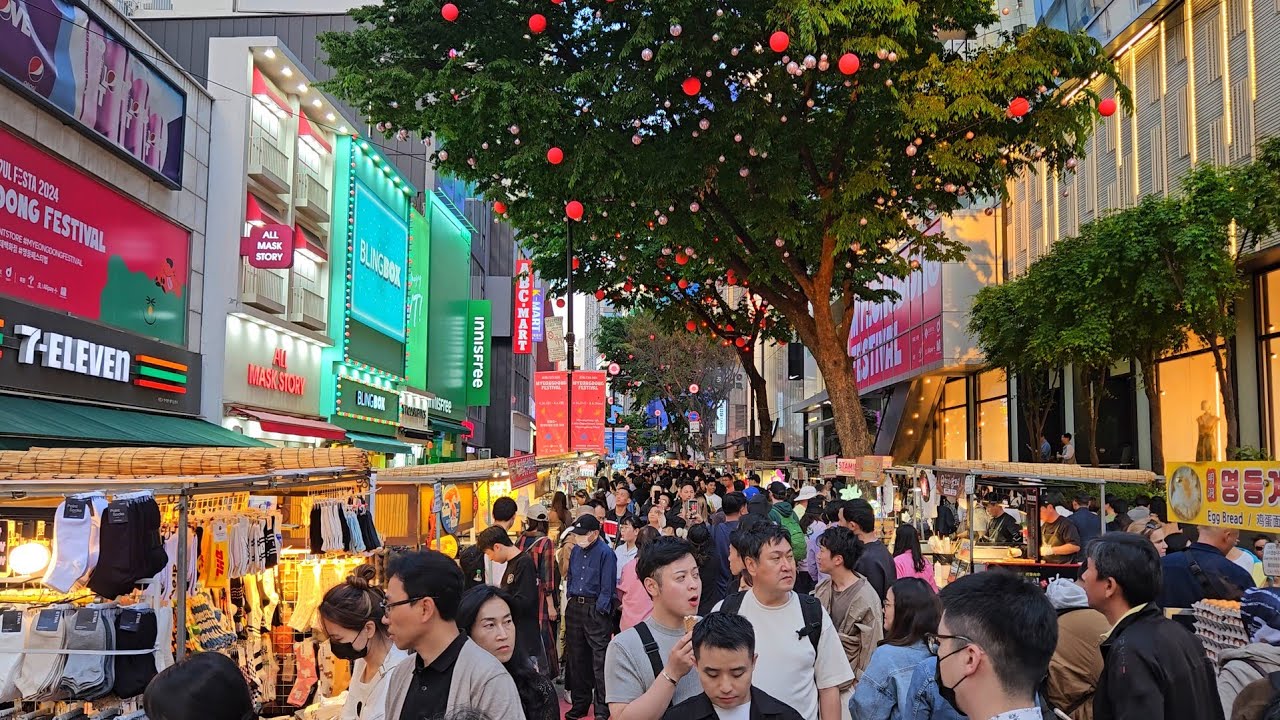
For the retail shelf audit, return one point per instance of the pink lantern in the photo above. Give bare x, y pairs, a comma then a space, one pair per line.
614, 368
693, 389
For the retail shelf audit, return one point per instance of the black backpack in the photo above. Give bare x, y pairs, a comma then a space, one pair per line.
810, 610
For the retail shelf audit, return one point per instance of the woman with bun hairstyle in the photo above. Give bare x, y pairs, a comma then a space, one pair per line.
351, 616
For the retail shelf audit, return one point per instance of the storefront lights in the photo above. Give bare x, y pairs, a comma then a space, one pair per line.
29, 558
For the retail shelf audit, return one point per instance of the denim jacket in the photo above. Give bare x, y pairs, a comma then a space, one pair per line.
882, 693
924, 701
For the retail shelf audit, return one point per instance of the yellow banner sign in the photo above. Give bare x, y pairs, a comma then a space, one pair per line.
1244, 495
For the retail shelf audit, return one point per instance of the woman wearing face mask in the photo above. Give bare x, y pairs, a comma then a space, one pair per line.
485, 616
351, 616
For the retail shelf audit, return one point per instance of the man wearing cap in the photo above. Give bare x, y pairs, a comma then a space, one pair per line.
589, 616
535, 542
1002, 529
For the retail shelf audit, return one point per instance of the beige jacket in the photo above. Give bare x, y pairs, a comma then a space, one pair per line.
1077, 662
862, 627
479, 681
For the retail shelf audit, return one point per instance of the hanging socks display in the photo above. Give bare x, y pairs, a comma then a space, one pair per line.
11, 641
135, 630
42, 670
84, 675
307, 676
76, 526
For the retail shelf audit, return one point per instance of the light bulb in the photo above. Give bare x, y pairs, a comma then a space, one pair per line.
29, 558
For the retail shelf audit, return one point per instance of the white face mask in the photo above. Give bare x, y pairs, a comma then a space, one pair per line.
583, 541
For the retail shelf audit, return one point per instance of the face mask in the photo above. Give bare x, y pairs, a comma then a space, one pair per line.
1111, 517
583, 541
947, 693
348, 651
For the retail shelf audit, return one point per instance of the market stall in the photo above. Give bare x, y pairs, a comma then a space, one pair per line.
123, 560
1022, 485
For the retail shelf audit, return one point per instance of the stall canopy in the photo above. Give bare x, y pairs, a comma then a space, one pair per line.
445, 425
378, 443
290, 425
28, 421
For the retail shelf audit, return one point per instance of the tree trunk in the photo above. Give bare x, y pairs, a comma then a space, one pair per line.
1036, 402
831, 356
1095, 389
1151, 386
760, 393
1222, 362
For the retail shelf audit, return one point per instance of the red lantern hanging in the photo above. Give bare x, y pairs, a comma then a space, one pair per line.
600, 295
537, 23
559, 302
449, 12
573, 209
779, 41
499, 207
1107, 107
1019, 107
682, 284
691, 326
693, 389
691, 86
740, 342
614, 368
682, 259
849, 63
555, 156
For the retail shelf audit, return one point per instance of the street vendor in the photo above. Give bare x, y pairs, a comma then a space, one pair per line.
1059, 539
1003, 528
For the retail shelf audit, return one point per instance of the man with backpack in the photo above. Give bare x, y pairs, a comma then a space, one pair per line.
784, 515
649, 667
796, 641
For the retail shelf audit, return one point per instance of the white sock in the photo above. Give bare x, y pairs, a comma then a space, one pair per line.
75, 540
11, 654
40, 671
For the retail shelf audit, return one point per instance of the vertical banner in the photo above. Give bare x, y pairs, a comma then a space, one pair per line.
550, 401
522, 309
538, 310
479, 315
588, 410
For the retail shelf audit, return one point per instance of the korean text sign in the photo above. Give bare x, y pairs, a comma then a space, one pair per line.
1244, 495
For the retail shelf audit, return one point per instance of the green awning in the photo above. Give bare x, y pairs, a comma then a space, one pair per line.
28, 422
446, 425
378, 443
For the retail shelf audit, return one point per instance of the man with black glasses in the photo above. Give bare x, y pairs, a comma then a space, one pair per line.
447, 669
994, 643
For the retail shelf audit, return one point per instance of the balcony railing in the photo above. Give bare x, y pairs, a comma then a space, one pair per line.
306, 306
268, 165
262, 289
311, 196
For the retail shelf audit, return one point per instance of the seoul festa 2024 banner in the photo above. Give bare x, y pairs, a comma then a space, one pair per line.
380, 256
60, 54
71, 244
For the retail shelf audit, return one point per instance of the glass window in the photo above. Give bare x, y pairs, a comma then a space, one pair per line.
1270, 379
1191, 409
993, 429
265, 121
954, 433
1269, 287
953, 393
992, 385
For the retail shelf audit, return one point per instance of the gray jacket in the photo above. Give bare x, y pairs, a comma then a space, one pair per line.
479, 681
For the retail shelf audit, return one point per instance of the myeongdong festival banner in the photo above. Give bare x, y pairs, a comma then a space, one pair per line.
1244, 495
72, 244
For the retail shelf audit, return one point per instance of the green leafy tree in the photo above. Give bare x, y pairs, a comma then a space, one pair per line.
656, 363
696, 125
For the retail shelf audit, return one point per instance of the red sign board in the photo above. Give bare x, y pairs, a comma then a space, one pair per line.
74, 245
893, 340
522, 307
523, 469
269, 246
551, 400
588, 410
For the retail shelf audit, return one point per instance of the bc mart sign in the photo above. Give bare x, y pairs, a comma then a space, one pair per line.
1244, 495
522, 307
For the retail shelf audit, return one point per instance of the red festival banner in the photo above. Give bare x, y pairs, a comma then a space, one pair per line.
74, 245
550, 400
895, 339
588, 410
522, 309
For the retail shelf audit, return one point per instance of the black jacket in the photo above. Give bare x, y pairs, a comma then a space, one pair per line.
763, 707
1155, 670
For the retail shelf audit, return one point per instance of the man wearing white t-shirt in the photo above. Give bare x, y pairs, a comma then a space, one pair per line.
802, 671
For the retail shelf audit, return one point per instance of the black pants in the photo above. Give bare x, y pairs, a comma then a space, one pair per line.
587, 634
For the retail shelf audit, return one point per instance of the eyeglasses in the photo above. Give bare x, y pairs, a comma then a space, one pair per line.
933, 642
386, 606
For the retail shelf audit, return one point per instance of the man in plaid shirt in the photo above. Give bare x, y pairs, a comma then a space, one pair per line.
535, 541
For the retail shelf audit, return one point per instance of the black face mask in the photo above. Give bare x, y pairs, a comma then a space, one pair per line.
947, 693
348, 651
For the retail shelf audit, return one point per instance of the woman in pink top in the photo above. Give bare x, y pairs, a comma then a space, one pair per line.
908, 559
636, 603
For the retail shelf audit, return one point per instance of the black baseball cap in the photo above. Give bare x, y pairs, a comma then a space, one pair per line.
583, 525
778, 489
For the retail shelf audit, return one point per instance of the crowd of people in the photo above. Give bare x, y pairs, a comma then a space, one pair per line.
672, 594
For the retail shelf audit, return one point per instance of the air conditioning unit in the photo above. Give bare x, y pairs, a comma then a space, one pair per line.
484, 453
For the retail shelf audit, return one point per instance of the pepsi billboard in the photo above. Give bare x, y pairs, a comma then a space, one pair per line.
62, 57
